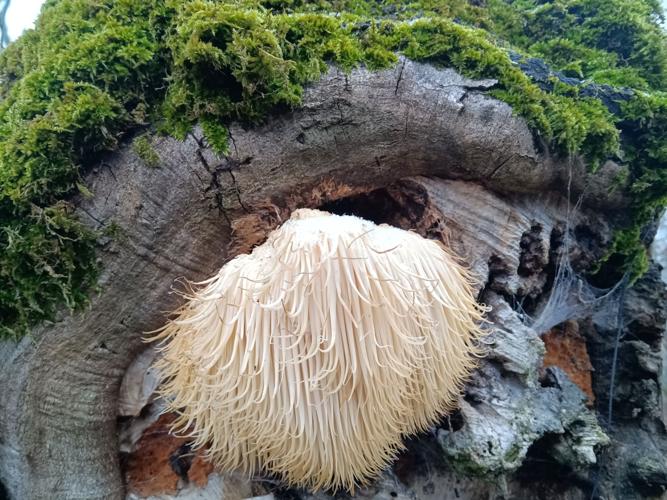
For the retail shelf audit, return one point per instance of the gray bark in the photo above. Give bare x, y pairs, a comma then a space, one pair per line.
354, 133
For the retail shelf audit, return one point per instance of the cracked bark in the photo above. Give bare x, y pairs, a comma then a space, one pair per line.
58, 387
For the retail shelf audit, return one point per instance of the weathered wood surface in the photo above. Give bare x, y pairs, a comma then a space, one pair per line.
354, 133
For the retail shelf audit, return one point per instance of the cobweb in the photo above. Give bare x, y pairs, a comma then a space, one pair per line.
572, 297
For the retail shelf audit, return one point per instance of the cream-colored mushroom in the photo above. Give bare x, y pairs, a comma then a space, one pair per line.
316, 354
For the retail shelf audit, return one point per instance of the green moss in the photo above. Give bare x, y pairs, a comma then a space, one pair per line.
232, 63
94, 70
467, 466
571, 124
144, 149
114, 231
645, 127
49, 260
600, 38
514, 453
69, 89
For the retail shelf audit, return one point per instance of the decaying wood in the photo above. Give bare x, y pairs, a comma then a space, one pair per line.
354, 133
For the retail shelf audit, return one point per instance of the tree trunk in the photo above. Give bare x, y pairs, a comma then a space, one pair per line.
353, 134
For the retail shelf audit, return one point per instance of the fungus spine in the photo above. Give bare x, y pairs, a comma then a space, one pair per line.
316, 354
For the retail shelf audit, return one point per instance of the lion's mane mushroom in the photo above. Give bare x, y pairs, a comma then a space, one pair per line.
313, 356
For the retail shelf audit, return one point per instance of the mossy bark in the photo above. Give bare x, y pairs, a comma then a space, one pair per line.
184, 218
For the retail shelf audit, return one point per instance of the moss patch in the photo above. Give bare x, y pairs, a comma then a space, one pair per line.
94, 70
144, 149
70, 88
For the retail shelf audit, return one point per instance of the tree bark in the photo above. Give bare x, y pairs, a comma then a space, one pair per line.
353, 133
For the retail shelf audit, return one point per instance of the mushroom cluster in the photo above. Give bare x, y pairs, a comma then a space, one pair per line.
316, 354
